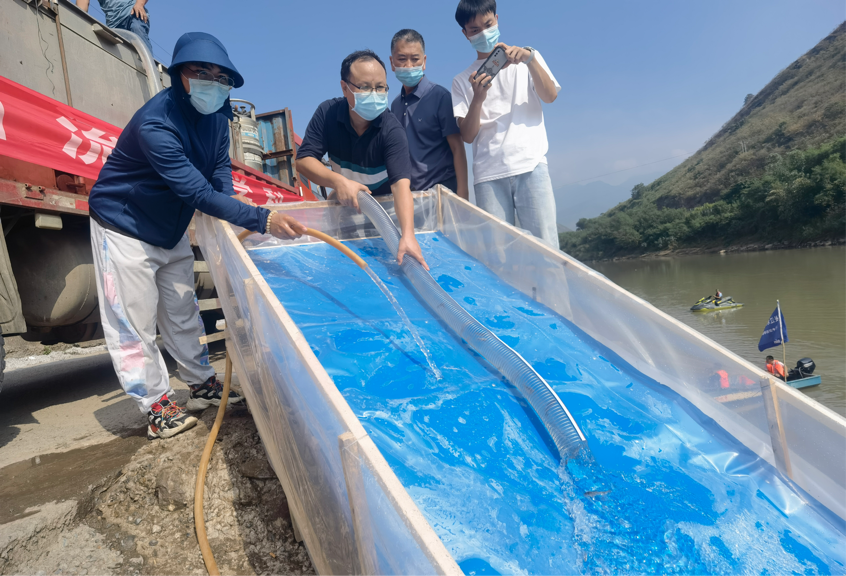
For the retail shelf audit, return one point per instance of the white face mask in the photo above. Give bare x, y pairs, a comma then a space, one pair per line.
370, 106
486, 40
207, 96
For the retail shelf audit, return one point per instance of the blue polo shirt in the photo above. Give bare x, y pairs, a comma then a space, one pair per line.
427, 116
378, 158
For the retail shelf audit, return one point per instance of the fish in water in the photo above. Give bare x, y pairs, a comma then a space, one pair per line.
592, 493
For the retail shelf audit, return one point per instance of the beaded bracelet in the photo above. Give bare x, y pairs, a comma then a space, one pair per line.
267, 227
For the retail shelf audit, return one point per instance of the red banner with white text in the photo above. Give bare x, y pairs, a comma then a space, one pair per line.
38, 129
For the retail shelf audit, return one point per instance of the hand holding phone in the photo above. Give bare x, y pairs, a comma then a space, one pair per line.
515, 54
480, 83
493, 64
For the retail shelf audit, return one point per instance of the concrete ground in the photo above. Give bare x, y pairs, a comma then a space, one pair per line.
82, 491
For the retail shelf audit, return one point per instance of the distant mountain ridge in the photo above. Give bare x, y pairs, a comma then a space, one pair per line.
775, 171
578, 201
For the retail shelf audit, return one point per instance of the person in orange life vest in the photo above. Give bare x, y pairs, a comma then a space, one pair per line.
776, 368
720, 377
718, 294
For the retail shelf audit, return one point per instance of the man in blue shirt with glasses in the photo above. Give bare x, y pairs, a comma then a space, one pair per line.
425, 111
366, 145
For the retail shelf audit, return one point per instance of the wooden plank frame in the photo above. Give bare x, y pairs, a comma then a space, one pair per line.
407, 511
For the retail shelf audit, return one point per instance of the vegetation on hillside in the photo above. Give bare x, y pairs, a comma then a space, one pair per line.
800, 196
776, 171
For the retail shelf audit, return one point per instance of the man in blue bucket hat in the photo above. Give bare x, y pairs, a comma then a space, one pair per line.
170, 160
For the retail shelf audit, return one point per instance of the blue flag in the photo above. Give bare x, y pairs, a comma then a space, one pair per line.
772, 333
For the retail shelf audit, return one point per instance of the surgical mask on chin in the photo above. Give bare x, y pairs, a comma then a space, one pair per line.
207, 96
410, 77
485, 40
369, 106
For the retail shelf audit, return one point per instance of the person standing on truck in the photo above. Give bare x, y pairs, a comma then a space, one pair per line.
425, 111
129, 15
503, 119
367, 147
170, 160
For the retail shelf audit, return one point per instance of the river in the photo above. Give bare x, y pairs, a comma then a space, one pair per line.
810, 283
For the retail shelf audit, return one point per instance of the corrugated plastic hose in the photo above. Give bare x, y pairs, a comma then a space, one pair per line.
544, 401
199, 487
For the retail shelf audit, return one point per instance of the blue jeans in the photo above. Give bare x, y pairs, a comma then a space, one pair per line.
528, 197
137, 26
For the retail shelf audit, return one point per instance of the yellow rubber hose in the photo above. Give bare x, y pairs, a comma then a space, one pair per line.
335, 244
244, 234
326, 238
199, 488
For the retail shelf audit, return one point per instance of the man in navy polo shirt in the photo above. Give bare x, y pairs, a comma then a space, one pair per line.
425, 111
366, 145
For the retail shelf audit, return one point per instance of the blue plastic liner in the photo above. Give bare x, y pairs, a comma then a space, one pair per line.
542, 398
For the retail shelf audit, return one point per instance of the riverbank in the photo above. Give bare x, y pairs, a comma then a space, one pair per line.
137, 516
82, 491
718, 249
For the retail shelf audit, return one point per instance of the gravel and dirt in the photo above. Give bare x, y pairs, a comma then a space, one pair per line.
109, 501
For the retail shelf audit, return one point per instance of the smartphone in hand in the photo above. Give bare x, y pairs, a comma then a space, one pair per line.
493, 64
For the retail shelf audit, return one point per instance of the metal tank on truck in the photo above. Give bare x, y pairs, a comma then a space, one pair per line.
244, 136
68, 85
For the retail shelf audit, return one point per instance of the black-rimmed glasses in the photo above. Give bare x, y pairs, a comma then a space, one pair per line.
368, 90
207, 76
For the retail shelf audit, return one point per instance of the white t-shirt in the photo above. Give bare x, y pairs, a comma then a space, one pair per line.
512, 137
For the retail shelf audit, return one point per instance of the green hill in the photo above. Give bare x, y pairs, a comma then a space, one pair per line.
776, 172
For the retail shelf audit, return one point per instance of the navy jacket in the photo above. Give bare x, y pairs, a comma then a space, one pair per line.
169, 161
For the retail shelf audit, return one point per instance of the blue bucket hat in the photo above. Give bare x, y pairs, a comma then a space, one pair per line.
202, 47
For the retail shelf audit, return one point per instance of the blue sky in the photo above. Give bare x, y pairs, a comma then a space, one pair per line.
642, 81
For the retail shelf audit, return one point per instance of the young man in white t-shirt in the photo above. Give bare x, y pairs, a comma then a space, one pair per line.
503, 119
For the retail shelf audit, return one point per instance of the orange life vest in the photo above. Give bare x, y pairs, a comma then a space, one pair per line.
746, 380
724, 378
776, 368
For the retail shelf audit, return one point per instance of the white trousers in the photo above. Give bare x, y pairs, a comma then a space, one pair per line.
139, 286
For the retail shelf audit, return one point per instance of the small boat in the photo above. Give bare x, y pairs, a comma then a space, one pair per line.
806, 382
710, 304
803, 375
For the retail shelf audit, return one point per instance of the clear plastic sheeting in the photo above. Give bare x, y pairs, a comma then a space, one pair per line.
816, 449
307, 428
665, 350
347, 224
742, 471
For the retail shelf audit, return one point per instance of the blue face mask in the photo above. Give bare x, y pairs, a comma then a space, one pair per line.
410, 77
207, 96
485, 40
369, 106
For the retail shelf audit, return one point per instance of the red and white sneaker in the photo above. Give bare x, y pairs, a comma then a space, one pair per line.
166, 419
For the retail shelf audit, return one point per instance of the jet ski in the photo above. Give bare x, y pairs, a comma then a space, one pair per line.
710, 304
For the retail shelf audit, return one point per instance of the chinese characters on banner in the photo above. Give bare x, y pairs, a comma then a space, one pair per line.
40, 130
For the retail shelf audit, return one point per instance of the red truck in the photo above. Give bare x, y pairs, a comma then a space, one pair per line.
68, 84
